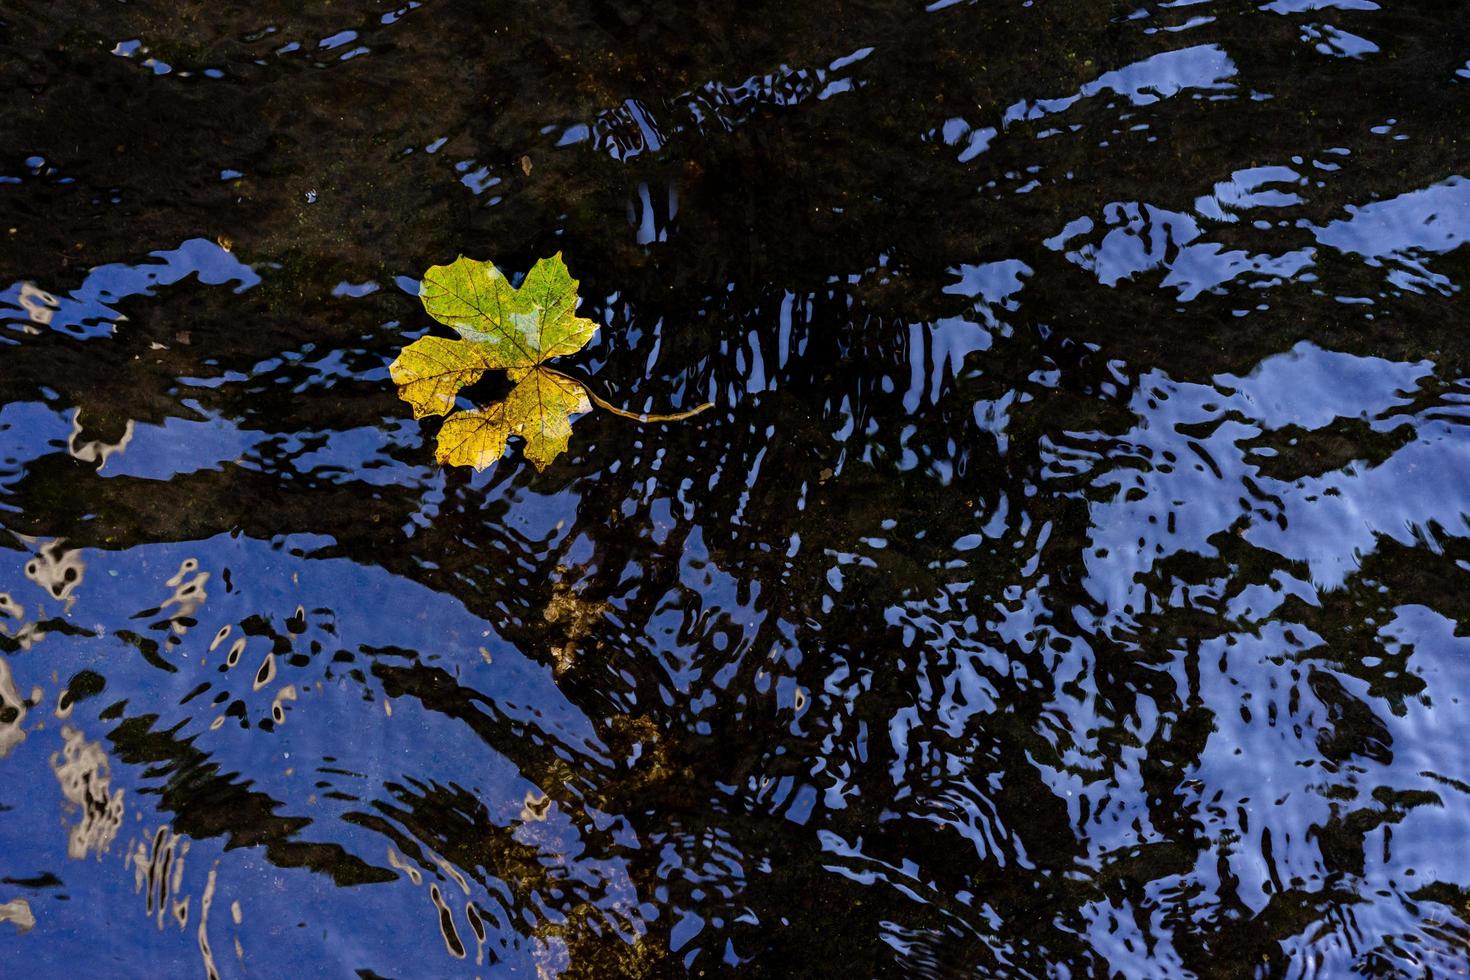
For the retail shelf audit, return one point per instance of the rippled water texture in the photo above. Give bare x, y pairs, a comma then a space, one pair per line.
1071, 579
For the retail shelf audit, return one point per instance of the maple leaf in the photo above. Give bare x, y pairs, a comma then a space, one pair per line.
503, 328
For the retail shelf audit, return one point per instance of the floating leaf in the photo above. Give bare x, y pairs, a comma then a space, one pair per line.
517, 328
538, 409
430, 371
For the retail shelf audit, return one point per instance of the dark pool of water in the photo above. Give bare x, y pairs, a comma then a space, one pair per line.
1073, 578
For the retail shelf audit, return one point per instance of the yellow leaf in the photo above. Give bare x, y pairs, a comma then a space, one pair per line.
430, 371
538, 409
509, 328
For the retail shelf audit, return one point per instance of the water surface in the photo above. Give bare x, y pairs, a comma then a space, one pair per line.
1071, 579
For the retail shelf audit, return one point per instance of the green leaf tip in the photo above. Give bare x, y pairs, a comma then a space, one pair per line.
519, 327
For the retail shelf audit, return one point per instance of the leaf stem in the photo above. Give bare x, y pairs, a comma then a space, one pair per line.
603, 403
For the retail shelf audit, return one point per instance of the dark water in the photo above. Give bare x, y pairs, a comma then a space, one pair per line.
1071, 581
